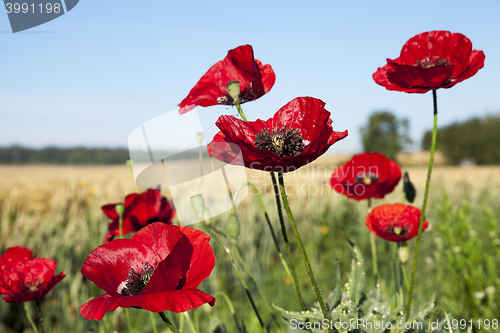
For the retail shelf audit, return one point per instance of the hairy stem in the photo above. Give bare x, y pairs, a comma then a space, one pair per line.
303, 250
424, 206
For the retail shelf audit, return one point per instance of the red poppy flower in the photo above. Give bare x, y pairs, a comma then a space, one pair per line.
368, 175
157, 269
429, 61
140, 210
395, 223
237, 79
25, 278
299, 133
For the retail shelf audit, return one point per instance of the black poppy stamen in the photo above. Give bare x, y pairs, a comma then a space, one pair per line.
136, 280
30, 287
282, 141
431, 62
366, 178
398, 230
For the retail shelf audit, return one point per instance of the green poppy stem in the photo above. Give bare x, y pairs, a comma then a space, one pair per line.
293, 278
303, 250
236, 269
374, 249
26, 308
240, 111
151, 316
127, 316
168, 322
424, 206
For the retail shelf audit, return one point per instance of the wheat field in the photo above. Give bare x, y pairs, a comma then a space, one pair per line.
55, 210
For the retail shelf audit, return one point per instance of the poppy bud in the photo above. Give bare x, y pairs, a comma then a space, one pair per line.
120, 209
233, 227
199, 137
403, 252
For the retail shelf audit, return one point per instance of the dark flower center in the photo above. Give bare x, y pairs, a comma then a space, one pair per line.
398, 230
234, 95
29, 287
281, 141
136, 280
366, 178
428, 62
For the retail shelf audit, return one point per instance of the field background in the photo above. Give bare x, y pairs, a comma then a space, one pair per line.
55, 210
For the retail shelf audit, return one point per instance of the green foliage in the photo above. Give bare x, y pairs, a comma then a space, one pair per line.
75, 156
476, 138
385, 134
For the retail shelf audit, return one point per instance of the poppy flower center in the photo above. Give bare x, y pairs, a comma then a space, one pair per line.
282, 141
366, 178
136, 280
234, 95
428, 62
398, 230
30, 287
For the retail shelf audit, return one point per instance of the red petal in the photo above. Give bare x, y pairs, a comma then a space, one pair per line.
411, 77
175, 301
109, 264
96, 308
476, 62
161, 238
110, 211
202, 259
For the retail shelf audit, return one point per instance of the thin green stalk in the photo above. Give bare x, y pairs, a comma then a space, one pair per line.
190, 323
236, 269
424, 206
250, 274
39, 307
168, 322
128, 320
273, 234
26, 308
120, 224
445, 314
153, 322
242, 115
374, 249
294, 280
303, 250
405, 278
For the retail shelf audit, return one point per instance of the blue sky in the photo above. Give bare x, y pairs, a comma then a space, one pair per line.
93, 75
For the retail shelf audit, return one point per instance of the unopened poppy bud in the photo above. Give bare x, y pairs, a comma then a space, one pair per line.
199, 137
403, 252
234, 90
233, 227
120, 209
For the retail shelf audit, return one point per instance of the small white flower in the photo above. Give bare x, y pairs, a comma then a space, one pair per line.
479, 294
456, 249
472, 233
490, 289
428, 260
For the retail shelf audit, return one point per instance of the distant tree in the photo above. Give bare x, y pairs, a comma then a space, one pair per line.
476, 138
385, 134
